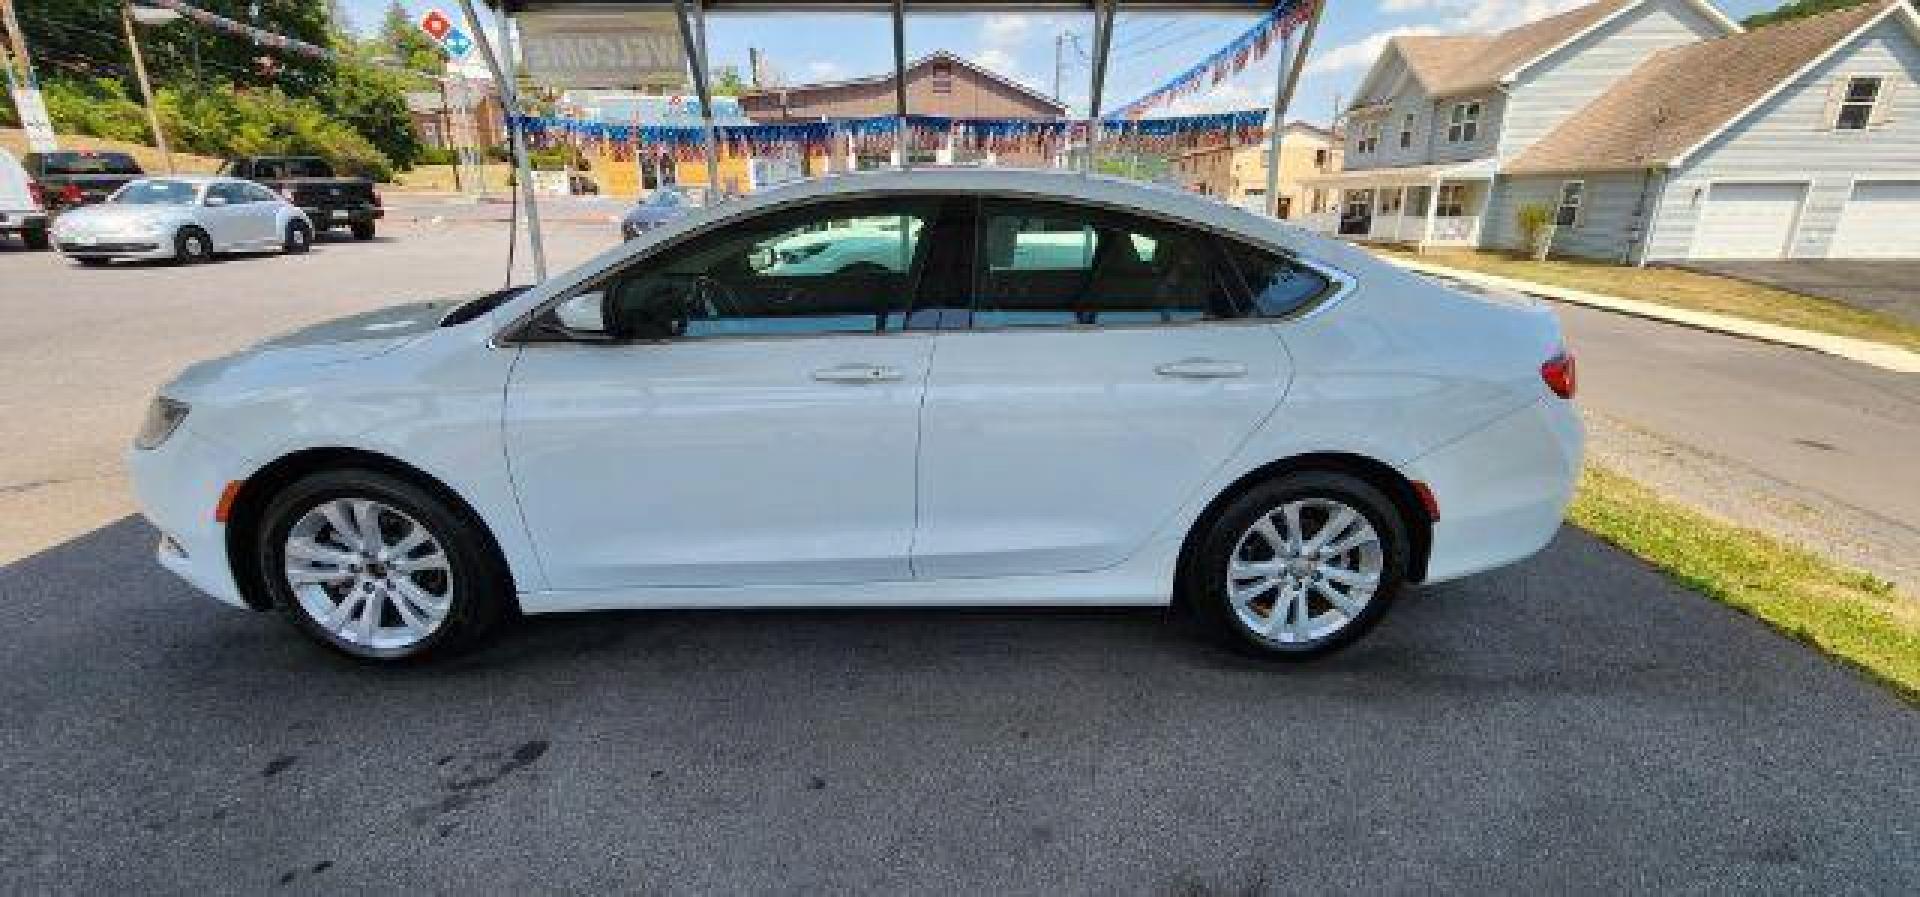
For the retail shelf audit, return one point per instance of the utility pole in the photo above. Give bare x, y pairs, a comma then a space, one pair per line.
1283, 95
146, 88
17, 47
1059, 51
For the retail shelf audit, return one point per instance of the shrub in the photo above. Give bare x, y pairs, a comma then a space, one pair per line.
1535, 220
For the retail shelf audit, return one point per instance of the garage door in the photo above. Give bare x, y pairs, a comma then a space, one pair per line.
1748, 221
1881, 221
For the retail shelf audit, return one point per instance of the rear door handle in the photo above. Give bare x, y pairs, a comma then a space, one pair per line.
857, 373
1202, 369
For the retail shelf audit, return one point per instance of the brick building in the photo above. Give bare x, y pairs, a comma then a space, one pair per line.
937, 84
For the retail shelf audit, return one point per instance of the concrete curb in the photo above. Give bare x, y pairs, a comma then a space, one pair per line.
1880, 355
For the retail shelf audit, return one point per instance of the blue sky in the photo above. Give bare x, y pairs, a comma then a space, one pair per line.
1147, 49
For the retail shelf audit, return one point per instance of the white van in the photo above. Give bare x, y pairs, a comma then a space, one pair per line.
20, 209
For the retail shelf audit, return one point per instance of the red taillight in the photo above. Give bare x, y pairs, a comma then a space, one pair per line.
1559, 374
38, 193
71, 194
376, 198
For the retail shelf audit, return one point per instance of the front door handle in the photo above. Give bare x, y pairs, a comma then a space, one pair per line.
1202, 369
857, 373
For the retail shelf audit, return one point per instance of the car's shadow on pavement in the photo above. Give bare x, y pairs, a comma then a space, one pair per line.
1573, 723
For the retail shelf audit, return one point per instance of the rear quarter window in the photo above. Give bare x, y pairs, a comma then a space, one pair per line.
1278, 286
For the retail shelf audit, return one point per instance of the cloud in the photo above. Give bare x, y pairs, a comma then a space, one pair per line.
1003, 31
823, 70
1249, 91
1481, 15
1363, 52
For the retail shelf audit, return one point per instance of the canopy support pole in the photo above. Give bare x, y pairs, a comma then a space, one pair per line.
1102, 42
697, 60
900, 83
510, 102
1292, 61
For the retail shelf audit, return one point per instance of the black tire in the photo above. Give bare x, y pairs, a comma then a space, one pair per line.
93, 261
363, 230
1204, 581
192, 246
298, 240
479, 591
35, 238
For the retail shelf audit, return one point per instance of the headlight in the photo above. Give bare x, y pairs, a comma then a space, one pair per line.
163, 417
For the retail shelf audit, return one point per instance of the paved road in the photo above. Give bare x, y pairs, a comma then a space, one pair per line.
1890, 287
1843, 429
1573, 724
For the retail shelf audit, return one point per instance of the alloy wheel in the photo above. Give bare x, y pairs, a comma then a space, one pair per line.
1304, 570
368, 573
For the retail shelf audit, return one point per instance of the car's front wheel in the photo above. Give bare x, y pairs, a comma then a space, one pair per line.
299, 238
379, 568
192, 246
1300, 565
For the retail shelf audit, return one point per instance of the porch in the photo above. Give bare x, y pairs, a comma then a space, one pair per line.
1436, 206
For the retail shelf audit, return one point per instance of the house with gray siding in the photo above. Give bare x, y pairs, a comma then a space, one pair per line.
1651, 130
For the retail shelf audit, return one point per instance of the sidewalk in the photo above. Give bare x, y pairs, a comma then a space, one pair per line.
1879, 355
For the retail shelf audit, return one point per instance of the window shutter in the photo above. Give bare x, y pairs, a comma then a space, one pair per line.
1836, 92
1883, 104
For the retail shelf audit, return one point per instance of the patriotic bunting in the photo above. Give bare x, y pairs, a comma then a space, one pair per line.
878, 134
1243, 51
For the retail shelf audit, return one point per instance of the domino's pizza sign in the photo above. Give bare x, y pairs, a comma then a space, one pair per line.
439, 26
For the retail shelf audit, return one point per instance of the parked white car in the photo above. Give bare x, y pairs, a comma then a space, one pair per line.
22, 209
1271, 428
187, 219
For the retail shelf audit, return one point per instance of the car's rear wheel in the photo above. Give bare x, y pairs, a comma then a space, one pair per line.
1299, 566
299, 238
192, 246
378, 568
363, 230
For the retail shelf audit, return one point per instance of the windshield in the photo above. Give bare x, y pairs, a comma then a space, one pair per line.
155, 193
279, 169
89, 163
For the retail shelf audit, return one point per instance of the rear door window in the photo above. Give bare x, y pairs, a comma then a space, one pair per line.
1059, 265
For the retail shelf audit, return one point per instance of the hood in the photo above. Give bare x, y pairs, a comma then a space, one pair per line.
341, 340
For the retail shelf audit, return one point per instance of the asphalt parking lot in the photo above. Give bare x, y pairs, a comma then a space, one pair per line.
1575, 723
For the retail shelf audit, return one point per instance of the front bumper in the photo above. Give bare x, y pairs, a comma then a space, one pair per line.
1503, 489
114, 250
178, 486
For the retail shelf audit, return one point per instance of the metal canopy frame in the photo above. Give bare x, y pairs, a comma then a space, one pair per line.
691, 15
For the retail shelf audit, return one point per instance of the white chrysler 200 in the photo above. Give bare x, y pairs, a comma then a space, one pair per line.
1029, 388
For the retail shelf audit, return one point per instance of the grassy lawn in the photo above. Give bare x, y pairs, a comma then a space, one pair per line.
1688, 290
1850, 615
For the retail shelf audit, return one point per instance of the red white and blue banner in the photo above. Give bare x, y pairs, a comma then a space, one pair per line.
1240, 53
877, 135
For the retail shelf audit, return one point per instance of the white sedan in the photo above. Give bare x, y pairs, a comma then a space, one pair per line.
185, 219
1197, 405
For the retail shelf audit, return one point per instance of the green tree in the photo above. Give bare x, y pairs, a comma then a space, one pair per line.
727, 82
83, 38
402, 41
1797, 9
373, 101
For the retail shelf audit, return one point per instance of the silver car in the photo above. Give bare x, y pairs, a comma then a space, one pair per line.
185, 219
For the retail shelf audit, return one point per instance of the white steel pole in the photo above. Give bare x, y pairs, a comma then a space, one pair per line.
1285, 99
146, 89
503, 76
902, 157
1276, 127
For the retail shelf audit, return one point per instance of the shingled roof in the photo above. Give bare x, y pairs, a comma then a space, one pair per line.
1452, 64
1681, 96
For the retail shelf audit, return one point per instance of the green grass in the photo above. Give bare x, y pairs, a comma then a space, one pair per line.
1850, 615
1688, 290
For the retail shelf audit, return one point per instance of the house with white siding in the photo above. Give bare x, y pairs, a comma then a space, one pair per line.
1653, 130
